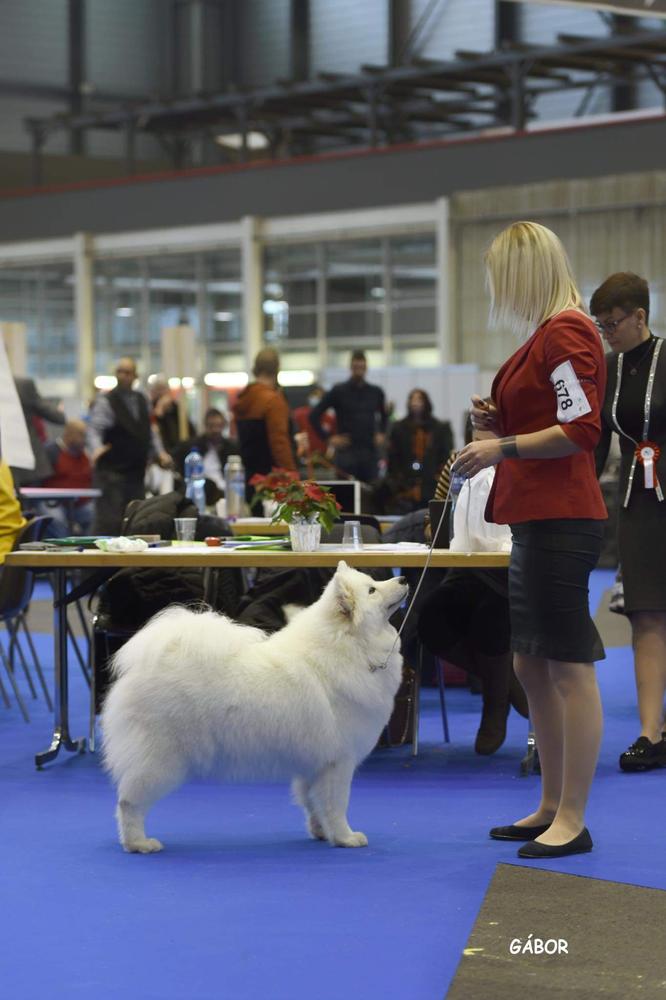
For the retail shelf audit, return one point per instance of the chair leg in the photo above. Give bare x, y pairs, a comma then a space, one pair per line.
12, 681
15, 645
442, 699
3, 695
22, 620
93, 695
83, 620
417, 701
79, 655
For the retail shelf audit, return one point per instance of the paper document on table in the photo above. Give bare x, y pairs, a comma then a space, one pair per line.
15, 447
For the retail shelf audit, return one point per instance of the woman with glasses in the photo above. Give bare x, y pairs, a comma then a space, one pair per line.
545, 410
635, 408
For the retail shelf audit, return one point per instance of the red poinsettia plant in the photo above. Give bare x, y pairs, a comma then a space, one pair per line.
296, 499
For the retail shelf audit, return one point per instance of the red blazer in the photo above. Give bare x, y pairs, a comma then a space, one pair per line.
557, 376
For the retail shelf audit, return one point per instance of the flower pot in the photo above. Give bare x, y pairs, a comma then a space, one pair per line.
305, 535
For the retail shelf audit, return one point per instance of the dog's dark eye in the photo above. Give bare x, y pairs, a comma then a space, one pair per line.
372, 590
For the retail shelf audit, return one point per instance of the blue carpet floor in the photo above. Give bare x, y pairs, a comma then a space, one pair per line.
241, 905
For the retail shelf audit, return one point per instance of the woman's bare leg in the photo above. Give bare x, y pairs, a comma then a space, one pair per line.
649, 642
545, 706
582, 724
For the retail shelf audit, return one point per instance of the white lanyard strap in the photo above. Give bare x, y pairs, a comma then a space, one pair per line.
646, 416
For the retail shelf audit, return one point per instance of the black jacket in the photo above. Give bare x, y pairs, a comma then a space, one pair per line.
360, 411
401, 472
657, 430
129, 436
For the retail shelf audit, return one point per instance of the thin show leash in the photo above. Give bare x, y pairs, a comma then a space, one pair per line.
435, 532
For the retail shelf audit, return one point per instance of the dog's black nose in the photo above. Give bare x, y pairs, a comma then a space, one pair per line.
402, 579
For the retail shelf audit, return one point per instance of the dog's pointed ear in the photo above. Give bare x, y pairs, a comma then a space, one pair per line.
342, 565
344, 596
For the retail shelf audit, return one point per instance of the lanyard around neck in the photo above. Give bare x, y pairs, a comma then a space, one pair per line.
646, 415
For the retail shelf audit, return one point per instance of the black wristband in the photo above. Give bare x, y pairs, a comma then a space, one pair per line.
509, 447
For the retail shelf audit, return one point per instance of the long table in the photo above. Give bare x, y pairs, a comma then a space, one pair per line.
60, 563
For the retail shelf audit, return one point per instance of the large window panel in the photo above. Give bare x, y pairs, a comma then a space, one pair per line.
42, 297
119, 318
355, 291
291, 278
222, 321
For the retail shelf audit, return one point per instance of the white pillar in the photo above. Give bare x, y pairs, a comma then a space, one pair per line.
84, 313
252, 280
446, 291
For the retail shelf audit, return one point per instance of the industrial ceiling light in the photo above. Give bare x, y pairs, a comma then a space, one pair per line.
298, 376
234, 140
226, 380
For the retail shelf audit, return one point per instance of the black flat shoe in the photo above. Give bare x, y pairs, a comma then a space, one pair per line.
643, 755
579, 845
517, 832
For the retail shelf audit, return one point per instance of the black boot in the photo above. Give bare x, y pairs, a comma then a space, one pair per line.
495, 673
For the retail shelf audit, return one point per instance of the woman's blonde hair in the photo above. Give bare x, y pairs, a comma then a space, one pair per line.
529, 277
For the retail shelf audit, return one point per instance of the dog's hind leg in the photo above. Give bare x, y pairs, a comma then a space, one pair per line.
137, 792
330, 794
302, 796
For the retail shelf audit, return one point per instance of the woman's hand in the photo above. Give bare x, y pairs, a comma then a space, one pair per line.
484, 415
477, 456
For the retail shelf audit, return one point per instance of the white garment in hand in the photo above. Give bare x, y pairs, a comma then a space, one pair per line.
15, 446
471, 531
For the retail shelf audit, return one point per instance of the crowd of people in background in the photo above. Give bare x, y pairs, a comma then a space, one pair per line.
348, 432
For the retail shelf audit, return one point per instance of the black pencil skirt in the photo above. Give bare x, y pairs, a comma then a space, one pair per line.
549, 573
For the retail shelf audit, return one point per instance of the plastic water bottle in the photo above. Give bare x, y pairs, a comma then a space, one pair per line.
234, 486
195, 481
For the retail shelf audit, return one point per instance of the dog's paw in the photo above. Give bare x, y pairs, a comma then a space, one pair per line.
149, 845
353, 839
315, 829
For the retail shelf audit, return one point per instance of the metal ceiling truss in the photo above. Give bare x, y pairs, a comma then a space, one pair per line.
423, 99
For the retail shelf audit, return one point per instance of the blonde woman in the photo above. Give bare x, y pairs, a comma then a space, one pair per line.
545, 410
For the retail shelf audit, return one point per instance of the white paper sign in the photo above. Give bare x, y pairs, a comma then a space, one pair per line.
15, 447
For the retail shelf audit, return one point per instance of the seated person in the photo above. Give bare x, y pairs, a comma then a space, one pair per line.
164, 414
419, 445
316, 445
12, 520
466, 619
214, 449
71, 470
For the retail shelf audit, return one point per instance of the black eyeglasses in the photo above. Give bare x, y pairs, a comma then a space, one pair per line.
611, 325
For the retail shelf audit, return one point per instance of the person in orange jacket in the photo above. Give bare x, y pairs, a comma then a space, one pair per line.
262, 420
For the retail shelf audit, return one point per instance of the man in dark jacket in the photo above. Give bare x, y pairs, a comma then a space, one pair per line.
35, 408
121, 442
360, 410
262, 420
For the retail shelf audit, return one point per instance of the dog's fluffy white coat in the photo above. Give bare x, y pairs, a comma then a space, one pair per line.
199, 694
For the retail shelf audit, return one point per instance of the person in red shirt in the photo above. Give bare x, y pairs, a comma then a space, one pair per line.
545, 409
71, 470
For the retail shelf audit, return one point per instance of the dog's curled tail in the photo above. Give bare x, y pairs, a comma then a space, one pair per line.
149, 640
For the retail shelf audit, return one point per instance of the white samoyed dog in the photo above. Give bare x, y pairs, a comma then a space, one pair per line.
199, 694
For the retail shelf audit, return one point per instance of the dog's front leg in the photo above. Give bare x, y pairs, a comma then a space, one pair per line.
301, 790
330, 794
